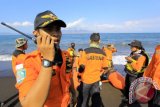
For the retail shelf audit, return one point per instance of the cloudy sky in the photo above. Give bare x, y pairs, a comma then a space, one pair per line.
106, 16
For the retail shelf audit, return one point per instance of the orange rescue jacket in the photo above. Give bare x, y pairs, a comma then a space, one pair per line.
59, 95
94, 60
153, 69
109, 56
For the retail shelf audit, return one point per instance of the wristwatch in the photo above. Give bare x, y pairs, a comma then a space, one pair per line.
46, 63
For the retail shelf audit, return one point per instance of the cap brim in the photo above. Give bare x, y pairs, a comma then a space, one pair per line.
131, 45
134, 45
59, 23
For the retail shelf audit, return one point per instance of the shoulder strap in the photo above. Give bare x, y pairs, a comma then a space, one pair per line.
17, 52
146, 56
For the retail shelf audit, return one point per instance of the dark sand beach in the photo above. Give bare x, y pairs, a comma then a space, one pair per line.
6, 69
7, 90
111, 96
7, 82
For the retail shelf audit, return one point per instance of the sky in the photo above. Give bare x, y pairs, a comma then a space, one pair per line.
81, 16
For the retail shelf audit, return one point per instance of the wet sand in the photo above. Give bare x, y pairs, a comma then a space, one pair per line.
6, 69
7, 90
111, 97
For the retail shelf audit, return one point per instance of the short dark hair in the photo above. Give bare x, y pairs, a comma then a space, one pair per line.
95, 37
72, 44
80, 49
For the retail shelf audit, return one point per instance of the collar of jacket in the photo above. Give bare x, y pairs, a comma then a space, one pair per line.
138, 52
94, 45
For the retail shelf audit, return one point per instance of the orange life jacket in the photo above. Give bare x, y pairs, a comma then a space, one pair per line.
109, 56
71, 51
94, 60
139, 62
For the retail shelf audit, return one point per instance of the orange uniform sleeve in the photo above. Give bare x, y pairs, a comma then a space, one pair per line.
13, 64
137, 66
28, 80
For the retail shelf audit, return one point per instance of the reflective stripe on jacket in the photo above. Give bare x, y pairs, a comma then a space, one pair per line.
139, 63
94, 60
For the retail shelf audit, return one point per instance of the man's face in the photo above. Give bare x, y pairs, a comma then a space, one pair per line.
52, 30
114, 49
133, 48
80, 52
72, 45
25, 46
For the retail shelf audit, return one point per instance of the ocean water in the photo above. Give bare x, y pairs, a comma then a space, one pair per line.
121, 40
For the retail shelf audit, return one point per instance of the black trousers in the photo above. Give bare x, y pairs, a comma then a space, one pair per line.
128, 80
87, 91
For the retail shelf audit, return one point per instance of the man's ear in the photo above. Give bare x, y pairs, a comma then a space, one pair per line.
99, 41
35, 32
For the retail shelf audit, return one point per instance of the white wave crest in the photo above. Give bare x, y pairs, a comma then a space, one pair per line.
119, 60
5, 57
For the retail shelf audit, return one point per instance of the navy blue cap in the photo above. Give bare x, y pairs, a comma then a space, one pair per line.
45, 18
136, 43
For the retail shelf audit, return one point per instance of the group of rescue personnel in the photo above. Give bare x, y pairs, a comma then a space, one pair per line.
51, 77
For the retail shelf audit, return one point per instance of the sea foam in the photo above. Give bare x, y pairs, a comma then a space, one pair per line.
118, 60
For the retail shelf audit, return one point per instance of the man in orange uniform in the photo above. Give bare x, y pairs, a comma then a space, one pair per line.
109, 50
41, 76
71, 50
21, 46
76, 62
136, 63
153, 71
76, 74
92, 64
